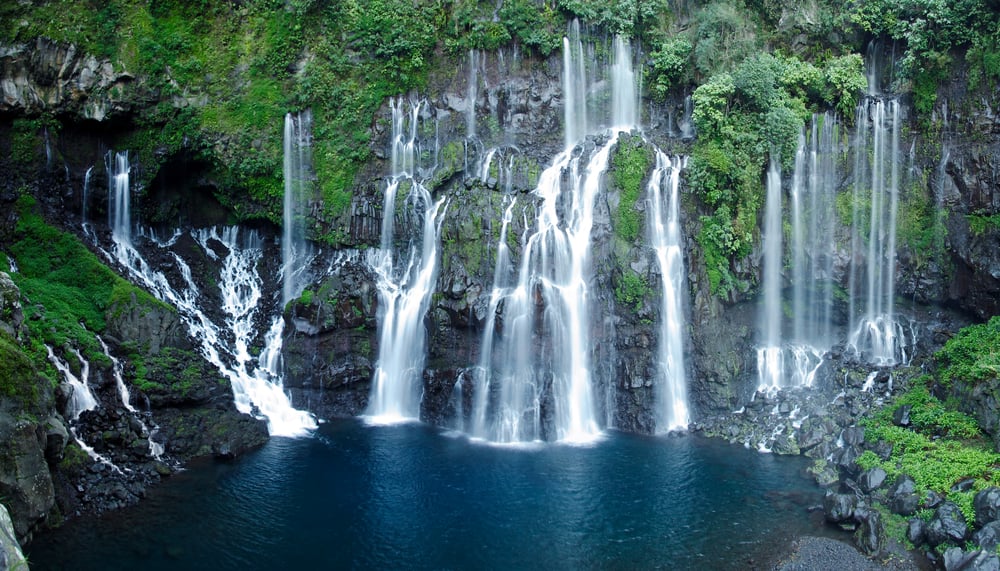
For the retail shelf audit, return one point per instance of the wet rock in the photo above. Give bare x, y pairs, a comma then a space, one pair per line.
956, 559
11, 556
904, 504
839, 508
916, 531
872, 479
853, 436
947, 525
903, 485
870, 536
988, 537
987, 505
932, 500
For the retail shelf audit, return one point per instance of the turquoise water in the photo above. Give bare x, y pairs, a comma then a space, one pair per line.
415, 497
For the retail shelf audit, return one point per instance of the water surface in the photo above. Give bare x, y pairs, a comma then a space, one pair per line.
414, 497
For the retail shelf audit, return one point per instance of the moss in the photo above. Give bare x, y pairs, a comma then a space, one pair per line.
630, 162
981, 224
18, 376
631, 289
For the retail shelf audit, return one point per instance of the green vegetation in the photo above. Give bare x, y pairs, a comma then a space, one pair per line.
630, 161
18, 377
941, 448
931, 29
744, 116
980, 224
972, 355
70, 292
631, 289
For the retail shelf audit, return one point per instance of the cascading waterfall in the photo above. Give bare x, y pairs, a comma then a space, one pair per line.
501, 273
665, 238
770, 366
86, 196
545, 353
793, 359
405, 284
256, 389
472, 94
295, 250
876, 335
155, 448
119, 207
81, 398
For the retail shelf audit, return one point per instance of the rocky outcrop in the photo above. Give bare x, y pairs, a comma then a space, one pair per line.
11, 556
46, 76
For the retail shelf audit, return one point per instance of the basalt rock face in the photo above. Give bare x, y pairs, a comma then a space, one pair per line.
46, 76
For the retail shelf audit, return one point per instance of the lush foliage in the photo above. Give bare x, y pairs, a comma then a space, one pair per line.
69, 291
972, 355
743, 117
630, 162
631, 289
941, 448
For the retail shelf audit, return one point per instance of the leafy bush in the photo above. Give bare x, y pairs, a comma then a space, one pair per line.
972, 355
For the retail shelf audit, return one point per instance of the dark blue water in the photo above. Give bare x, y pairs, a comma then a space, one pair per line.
413, 497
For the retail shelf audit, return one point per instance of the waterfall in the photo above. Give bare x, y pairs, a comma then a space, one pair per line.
86, 196
256, 390
624, 88
519, 397
472, 95
665, 238
119, 207
81, 398
574, 84
404, 284
770, 368
155, 448
875, 333
295, 251
536, 356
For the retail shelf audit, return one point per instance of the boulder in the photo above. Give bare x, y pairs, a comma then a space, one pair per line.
916, 531
839, 507
904, 504
902, 486
955, 559
872, 480
987, 505
870, 536
11, 556
988, 537
947, 525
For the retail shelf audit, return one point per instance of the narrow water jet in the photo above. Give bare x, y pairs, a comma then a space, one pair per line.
295, 250
770, 366
665, 238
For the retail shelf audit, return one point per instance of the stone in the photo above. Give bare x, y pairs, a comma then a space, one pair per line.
904, 504
987, 505
916, 531
988, 537
902, 415
839, 507
947, 526
853, 435
932, 500
872, 480
955, 559
870, 536
903, 485
11, 556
